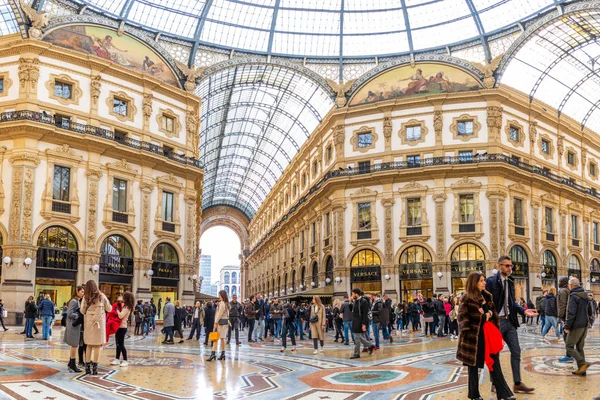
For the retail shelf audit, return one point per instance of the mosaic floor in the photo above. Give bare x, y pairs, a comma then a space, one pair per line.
413, 367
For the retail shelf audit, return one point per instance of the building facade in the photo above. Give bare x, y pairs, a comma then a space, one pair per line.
230, 280
99, 175
408, 191
205, 273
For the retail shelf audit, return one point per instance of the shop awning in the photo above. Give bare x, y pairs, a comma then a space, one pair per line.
204, 297
326, 291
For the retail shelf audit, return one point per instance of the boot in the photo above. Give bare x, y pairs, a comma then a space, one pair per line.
222, 357
212, 356
88, 370
94, 368
72, 366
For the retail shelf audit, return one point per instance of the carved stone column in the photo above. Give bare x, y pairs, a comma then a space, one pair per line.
562, 268
339, 249
440, 232
387, 135
94, 176
141, 282
496, 200
494, 123
144, 242
438, 124
339, 140
389, 287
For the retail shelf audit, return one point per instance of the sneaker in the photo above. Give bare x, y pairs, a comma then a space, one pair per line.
124, 364
115, 362
316, 352
565, 359
321, 350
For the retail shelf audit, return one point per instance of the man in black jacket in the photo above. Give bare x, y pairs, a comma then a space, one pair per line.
250, 313
235, 312
346, 311
360, 320
579, 317
502, 288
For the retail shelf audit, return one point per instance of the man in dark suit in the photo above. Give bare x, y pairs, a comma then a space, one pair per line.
502, 288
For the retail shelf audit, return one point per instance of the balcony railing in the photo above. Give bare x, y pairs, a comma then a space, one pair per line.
466, 228
61, 207
519, 230
414, 230
168, 227
363, 235
120, 217
63, 123
428, 162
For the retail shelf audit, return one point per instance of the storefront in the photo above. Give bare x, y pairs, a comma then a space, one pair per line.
1, 255
165, 280
116, 267
56, 265
466, 258
549, 270
365, 271
595, 277
415, 273
574, 267
520, 271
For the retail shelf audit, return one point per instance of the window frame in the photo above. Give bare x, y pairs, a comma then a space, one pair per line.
125, 198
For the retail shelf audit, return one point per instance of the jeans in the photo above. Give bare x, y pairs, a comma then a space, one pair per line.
551, 322
153, 322
196, 328
250, 328
384, 331
277, 326
440, 331
399, 323
300, 328
348, 328
288, 329
510, 336
543, 320
169, 333
260, 331
361, 338
46, 321
29, 326
376, 334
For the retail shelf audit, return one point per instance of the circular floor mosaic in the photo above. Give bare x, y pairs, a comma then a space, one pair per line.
549, 365
366, 378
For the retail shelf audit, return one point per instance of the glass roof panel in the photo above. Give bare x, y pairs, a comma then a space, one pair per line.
112, 6
8, 23
163, 19
438, 35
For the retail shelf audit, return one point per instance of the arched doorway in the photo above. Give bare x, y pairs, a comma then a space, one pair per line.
520, 271
165, 280
574, 267
315, 275
595, 276
415, 273
365, 271
466, 258
56, 264
329, 271
549, 270
116, 266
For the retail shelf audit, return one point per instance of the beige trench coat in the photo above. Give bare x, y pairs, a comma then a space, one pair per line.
94, 321
317, 330
222, 313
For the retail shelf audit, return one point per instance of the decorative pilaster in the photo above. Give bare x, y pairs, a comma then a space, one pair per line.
535, 247
438, 124
2, 152
502, 226
388, 240
563, 237
146, 190
494, 122
95, 86
440, 232
94, 176
189, 228
339, 137
15, 205
29, 73
147, 110
387, 132
496, 200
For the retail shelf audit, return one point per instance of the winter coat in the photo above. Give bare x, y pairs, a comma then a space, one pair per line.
169, 315
209, 317
384, 315
200, 314
317, 329
346, 310
46, 308
563, 297
360, 314
72, 335
469, 324
276, 311
113, 322
540, 305
221, 313
250, 311
30, 309
94, 322
377, 310
236, 310
428, 310
579, 311
440, 309
180, 315
494, 286
551, 309
415, 308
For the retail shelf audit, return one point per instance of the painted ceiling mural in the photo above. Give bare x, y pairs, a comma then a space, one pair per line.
122, 50
404, 81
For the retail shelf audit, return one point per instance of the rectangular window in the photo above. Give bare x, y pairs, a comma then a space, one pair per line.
314, 233
329, 153
413, 132
574, 227
514, 134
413, 212
571, 158
120, 106
467, 208
120, 195
1, 85
365, 139
167, 200
595, 233
592, 169
63, 90
549, 218
61, 183
518, 212
327, 225
303, 180
302, 241
465, 156
465, 127
413, 161
315, 167
545, 146
364, 166
364, 216
167, 123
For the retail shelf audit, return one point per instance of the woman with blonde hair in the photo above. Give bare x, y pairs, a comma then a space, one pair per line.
317, 324
221, 325
93, 307
337, 320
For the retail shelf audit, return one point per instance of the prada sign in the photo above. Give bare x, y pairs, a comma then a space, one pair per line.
165, 270
114, 264
56, 258
595, 278
415, 271
365, 274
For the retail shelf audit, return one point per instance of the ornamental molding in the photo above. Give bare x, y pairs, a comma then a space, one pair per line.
65, 152
93, 173
413, 187
25, 157
363, 192
466, 183
170, 180
123, 166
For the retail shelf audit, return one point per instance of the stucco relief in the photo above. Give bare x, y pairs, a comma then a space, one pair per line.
189, 233
494, 228
92, 210
439, 226
15, 204
27, 200
494, 121
29, 73
502, 222
388, 241
536, 240
145, 222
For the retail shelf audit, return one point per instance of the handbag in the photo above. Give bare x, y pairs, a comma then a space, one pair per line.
314, 319
4, 313
213, 336
223, 321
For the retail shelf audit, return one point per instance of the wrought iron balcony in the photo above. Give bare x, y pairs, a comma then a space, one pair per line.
61, 207
414, 230
120, 217
168, 227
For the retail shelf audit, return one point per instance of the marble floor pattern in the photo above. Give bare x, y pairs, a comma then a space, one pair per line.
412, 368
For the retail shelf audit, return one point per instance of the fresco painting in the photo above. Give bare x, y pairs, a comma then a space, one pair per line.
427, 78
106, 44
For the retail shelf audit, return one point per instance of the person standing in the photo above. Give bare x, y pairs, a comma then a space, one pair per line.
209, 320
562, 300
159, 308
46, 309
93, 307
376, 311
139, 318
579, 317
153, 314
169, 321
276, 314
72, 335
476, 308
346, 311
127, 302
386, 320
502, 288
441, 313
317, 324
259, 318
30, 311
250, 313
337, 320
289, 317
235, 311
180, 317
300, 318
428, 312
2, 314
551, 314
221, 324
198, 319
360, 320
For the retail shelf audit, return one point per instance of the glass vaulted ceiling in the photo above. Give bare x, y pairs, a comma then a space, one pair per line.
254, 120
326, 28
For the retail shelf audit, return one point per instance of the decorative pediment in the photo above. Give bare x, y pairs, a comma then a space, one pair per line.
466, 183
413, 187
518, 187
364, 192
65, 152
549, 197
122, 166
575, 207
169, 180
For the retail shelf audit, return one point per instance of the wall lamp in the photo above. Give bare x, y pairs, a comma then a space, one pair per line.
94, 269
313, 284
192, 278
301, 287
387, 277
27, 262
7, 261
439, 275
338, 280
328, 280
543, 274
290, 290
149, 273
494, 271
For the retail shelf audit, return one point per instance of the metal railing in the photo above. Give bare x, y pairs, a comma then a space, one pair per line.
64, 123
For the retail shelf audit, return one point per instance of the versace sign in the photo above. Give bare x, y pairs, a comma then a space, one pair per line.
462, 269
365, 274
415, 271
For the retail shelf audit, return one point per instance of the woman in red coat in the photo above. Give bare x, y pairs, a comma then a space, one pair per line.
479, 338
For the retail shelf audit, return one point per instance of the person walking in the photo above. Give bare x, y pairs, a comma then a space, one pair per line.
153, 314
346, 311
139, 317
168, 321
276, 314
30, 312
360, 320
180, 318
72, 335
502, 288
250, 313
288, 329
221, 324
235, 311
127, 302
197, 321
2, 310
562, 300
317, 324
300, 318
376, 313
46, 310
337, 320
428, 312
540, 306
479, 343
580, 316
551, 315
440, 309
93, 307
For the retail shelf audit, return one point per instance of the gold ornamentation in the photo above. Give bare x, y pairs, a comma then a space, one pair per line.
388, 242
583, 156
502, 222
147, 106
561, 145
15, 204
488, 71
27, 201
123, 166
494, 228
387, 128
168, 113
462, 118
535, 247
25, 157
340, 238
146, 186
440, 231
145, 222
494, 122
362, 130
92, 207
189, 234
93, 173
191, 75
466, 183
29, 73
169, 179
75, 90
438, 123
95, 86
533, 131
339, 136
340, 89
38, 20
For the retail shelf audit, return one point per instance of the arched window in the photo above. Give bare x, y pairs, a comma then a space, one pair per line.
329, 270
468, 254
520, 261
315, 275
366, 271
234, 278
226, 289
165, 262
116, 256
226, 278
549, 259
415, 273
57, 248
549, 265
415, 255
595, 265
574, 263
366, 258
233, 290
